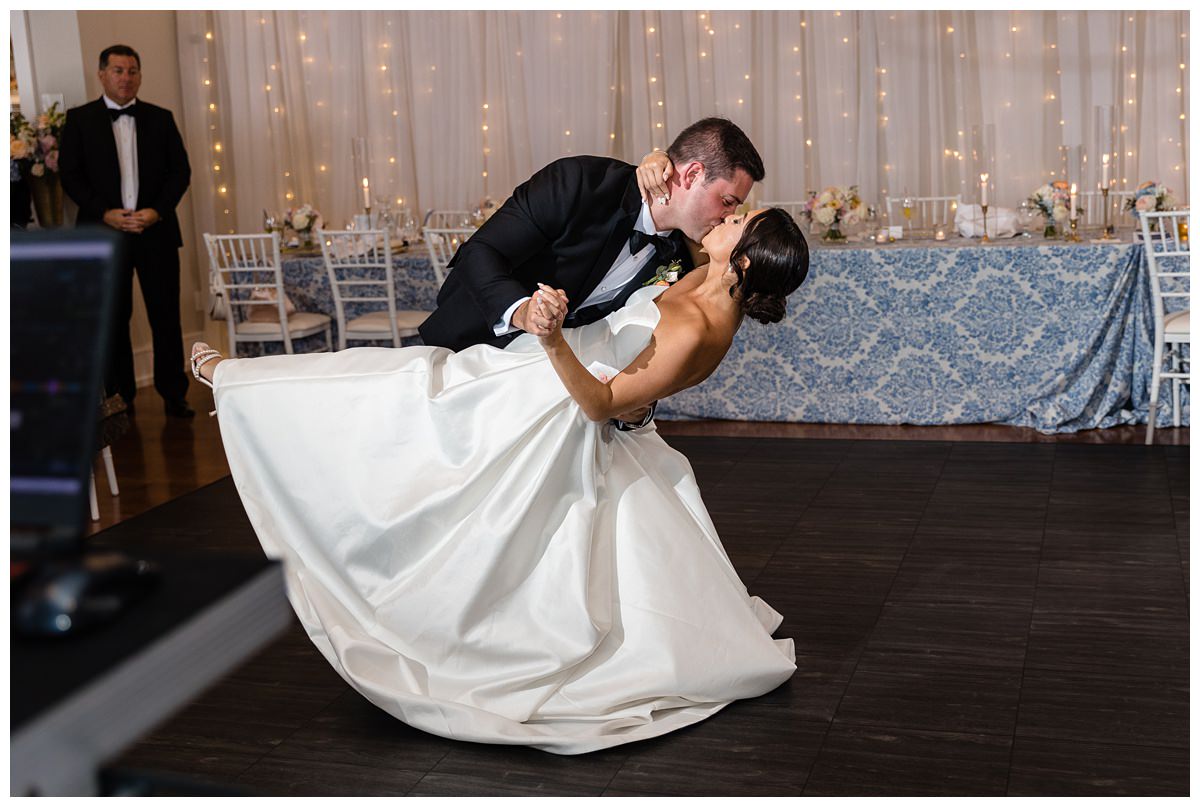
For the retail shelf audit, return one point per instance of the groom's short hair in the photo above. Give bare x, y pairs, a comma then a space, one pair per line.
722, 148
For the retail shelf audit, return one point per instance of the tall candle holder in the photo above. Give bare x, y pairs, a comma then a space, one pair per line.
1074, 235
986, 240
1108, 227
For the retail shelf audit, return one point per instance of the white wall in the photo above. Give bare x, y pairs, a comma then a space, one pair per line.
46, 47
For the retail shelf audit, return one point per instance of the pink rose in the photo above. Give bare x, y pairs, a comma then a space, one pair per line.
1145, 204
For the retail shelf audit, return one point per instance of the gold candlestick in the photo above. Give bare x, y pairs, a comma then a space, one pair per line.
986, 240
1108, 227
1074, 236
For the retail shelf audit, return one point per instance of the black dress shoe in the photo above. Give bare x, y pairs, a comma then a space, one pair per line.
179, 409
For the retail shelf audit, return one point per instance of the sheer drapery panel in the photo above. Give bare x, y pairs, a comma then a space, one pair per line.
459, 105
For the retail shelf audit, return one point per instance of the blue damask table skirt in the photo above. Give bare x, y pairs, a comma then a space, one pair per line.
1058, 337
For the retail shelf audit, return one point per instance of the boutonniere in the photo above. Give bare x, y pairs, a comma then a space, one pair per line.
666, 275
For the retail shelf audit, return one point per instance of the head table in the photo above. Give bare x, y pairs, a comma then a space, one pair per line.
1027, 332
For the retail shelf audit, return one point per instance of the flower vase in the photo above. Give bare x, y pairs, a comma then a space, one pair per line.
1050, 232
47, 193
834, 233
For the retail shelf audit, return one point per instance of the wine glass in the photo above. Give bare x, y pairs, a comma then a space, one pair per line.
407, 225
381, 213
1027, 215
906, 207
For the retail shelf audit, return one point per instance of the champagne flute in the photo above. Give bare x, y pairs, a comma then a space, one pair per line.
906, 206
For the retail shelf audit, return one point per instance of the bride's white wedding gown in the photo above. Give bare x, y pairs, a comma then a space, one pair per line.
480, 560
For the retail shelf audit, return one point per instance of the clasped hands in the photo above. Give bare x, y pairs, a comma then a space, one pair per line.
131, 221
543, 315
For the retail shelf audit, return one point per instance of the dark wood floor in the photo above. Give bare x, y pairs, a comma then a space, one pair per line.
971, 617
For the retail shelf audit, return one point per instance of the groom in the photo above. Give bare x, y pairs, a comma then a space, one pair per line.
581, 225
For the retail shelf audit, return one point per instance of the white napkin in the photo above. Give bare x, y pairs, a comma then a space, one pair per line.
1001, 221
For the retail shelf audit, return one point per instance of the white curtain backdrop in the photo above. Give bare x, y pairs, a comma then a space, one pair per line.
456, 105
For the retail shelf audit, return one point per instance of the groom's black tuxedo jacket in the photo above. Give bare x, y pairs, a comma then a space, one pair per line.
91, 172
563, 227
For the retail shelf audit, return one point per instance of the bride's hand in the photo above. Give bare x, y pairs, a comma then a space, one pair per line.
652, 175
550, 309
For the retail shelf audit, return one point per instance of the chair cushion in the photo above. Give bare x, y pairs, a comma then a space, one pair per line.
1179, 323
377, 322
297, 323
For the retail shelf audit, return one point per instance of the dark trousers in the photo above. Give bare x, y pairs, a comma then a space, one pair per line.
158, 276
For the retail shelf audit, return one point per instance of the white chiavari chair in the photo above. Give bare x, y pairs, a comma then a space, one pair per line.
1166, 250
443, 242
242, 264
1093, 207
448, 219
928, 211
359, 265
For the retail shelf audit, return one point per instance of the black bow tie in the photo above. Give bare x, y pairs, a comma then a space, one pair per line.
664, 248
116, 113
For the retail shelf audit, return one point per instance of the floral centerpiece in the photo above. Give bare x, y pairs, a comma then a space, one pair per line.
33, 155
1151, 197
1054, 202
303, 221
33, 147
833, 208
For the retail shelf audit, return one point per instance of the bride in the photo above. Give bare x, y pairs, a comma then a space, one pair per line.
478, 552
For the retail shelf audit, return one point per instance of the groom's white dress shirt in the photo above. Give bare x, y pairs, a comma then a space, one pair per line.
624, 269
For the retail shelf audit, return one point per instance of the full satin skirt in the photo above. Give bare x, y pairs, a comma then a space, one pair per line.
480, 560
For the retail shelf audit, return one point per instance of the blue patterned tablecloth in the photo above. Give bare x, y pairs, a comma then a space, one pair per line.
1058, 337
1054, 336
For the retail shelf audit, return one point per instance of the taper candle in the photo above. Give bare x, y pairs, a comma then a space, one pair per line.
983, 180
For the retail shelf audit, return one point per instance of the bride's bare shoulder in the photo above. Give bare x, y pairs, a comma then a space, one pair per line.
690, 328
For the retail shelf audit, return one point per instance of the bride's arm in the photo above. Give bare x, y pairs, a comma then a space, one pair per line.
674, 360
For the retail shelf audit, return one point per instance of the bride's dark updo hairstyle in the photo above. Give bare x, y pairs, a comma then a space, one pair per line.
778, 256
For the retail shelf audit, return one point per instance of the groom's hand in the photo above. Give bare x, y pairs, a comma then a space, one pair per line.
543, 314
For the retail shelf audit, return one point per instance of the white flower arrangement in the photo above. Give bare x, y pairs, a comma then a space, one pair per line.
833, 207
303, 219
1053, 201
1151, 197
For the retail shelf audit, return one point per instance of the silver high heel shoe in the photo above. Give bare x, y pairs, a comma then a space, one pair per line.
202, 354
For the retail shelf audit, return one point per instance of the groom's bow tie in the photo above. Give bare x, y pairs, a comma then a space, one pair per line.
117, 113
664, 248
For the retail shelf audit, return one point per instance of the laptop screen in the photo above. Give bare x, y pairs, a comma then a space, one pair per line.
62, 297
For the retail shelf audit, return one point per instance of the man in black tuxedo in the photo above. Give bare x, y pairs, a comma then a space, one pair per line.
580, 225
123, 162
